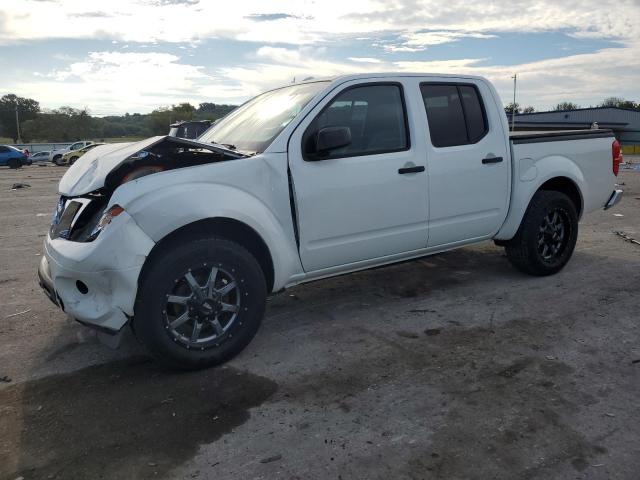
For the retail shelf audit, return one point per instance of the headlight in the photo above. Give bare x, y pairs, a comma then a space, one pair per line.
111, 213
57, 212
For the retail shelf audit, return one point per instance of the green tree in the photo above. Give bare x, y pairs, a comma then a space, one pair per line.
65, 124
512, 108
183, 111
159, 120
27, 110
620, 103
206, 107
566, 106
528, 109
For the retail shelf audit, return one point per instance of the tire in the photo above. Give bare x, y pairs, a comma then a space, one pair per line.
547, 235
72, 160
166, 279
14, 163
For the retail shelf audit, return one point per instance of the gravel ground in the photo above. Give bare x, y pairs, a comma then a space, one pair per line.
452, 366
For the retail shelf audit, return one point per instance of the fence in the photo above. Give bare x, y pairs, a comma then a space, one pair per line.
41, 147
631, 149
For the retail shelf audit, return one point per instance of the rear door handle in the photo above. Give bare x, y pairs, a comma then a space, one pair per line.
416, 169
491, 160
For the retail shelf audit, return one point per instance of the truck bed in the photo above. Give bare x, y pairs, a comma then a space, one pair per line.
557, 136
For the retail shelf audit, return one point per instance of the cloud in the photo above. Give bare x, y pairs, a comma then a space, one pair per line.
299, 39
267, 17
418, 41
584, 78
421, 22
364, 60
92, 15
421, 40
112, 82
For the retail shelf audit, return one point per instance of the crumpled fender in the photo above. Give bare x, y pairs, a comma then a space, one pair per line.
162, 203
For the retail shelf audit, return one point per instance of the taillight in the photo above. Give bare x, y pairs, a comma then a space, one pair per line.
616, 156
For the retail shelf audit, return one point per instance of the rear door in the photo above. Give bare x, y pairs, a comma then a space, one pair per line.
367, 199
468, 161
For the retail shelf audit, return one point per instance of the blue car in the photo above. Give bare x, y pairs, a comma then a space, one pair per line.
12, 157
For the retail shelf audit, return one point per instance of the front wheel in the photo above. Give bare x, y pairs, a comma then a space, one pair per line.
72, 160
547, 235
200, 302
58, 160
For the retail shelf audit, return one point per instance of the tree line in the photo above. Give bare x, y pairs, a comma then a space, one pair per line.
66, 124
562, 106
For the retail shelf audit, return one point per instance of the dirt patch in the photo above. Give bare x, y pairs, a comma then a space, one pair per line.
120, 420
503, 406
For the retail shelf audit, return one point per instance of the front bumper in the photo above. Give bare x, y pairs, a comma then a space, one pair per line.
96, 282
615, 197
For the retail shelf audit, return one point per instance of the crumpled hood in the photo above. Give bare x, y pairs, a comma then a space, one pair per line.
89, 172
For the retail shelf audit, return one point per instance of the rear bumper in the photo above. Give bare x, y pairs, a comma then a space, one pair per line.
615, 197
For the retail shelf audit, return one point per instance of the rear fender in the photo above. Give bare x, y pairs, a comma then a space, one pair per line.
528, 177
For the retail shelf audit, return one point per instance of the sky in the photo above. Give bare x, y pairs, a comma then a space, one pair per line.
137, 55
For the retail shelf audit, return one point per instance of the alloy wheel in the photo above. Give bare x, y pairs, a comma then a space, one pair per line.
202, 306
553, 235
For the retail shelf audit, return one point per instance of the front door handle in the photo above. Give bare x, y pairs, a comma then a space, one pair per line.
491, 160
416, 169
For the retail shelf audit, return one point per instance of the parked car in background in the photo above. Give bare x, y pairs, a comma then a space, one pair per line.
40, 156
189, 129
70, 158
184, 239
12, 157
56, 155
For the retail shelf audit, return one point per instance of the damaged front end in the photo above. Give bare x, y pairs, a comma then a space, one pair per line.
88, 185
95, 250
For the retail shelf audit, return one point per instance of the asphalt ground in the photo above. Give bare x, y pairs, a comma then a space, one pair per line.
450, 366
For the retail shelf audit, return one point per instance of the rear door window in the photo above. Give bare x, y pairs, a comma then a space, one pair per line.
455, 113
473, 112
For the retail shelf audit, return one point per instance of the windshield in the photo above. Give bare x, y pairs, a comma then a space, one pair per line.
254, 125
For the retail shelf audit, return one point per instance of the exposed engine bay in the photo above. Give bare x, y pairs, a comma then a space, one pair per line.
81, 217
168, 154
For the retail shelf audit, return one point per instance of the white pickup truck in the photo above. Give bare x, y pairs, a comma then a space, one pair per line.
184, 239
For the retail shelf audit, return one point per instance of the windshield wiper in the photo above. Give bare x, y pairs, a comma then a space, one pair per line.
227, 145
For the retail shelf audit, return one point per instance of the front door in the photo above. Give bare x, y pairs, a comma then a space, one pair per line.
366, 199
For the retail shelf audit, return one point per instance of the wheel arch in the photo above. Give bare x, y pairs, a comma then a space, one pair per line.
569, 182
568, 187
224, 227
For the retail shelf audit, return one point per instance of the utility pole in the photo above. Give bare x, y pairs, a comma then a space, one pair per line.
513, 110
18, 125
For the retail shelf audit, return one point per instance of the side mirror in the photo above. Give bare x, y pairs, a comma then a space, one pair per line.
330, 138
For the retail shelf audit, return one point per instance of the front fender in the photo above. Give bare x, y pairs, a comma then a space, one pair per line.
528, 177
160, 211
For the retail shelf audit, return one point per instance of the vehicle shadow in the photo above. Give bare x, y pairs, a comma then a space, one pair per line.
130, 418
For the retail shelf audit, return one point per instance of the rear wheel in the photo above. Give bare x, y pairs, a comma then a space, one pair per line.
547, 235
72, 160
58, 160
200, 303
